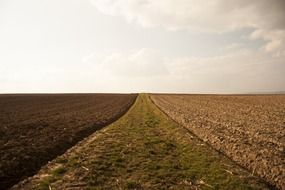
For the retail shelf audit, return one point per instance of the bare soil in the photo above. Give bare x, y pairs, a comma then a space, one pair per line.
36, 128
250, 129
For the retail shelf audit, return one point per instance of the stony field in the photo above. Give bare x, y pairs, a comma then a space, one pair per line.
250, 129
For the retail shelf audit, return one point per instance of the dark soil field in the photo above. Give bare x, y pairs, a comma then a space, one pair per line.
36, 128
250, 129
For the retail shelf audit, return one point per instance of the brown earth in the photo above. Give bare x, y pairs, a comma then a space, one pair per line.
36, 128
247, 128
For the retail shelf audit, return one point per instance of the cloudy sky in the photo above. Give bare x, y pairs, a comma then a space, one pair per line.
188, 46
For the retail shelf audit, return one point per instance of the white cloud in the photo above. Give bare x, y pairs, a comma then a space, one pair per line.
275, 40
217, 15
142, 63
241, 71
146, 70
48, 48
213, 16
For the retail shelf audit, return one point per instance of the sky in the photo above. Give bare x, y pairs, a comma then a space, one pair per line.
126, 46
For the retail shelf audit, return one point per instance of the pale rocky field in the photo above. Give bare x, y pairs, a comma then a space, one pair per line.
247, 128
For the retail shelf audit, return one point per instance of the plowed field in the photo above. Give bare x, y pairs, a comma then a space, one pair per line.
36, 128
250, 129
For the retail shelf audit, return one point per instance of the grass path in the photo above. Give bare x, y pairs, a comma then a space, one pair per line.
142, 150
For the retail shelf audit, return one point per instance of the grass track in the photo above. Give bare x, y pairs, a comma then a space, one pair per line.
143, 150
